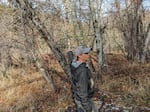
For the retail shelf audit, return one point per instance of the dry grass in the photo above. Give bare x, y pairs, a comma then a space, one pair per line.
27, 91
128, 81
18, 89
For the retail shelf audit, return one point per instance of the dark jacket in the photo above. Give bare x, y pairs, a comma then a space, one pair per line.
81, 84
81, 76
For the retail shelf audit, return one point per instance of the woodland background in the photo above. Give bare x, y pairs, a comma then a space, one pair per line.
36, 34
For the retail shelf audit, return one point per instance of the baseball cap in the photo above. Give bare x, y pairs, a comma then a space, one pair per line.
82, 50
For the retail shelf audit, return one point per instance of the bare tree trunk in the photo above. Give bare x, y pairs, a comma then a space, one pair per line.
98, 35
77, 23
145, 48
30, 46
66, 22
43, 71
132, 26
36, 22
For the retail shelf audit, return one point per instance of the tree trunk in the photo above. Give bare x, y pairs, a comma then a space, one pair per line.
98, 35
30, 46
145, 48
36, 22
132, 26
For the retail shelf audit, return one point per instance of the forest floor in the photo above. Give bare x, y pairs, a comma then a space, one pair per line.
125, 85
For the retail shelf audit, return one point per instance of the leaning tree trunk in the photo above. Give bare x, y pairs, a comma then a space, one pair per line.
36, 22
30, 46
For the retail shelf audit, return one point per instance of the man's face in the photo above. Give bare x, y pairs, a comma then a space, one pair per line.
84, 57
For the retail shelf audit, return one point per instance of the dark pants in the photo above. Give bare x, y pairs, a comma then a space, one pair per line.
80, 108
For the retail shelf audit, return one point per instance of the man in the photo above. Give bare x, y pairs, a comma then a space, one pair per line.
82, 85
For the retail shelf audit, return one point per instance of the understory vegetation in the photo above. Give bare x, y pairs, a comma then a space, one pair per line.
124, 84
